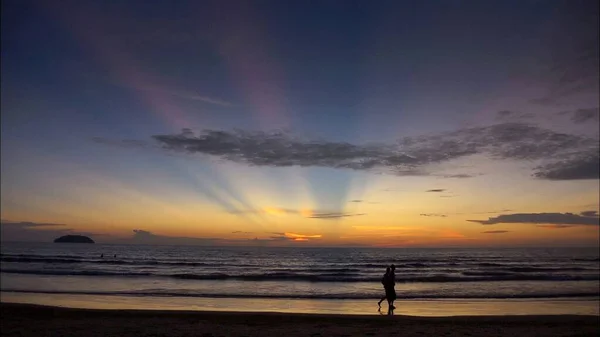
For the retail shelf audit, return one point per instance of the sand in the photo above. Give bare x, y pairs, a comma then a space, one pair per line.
34, 320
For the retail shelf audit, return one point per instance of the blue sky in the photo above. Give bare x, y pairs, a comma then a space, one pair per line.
503, 96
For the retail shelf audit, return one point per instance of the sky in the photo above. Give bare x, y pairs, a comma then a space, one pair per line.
301, 123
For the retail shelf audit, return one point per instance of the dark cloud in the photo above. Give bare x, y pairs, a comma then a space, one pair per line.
495, 232
501, 141
585, 115
504, 113
409, 156
356, 200
281, 237
436, 190
579, 166
541, 218
508, 115
434, 215
590, 213
273, 149
142, 233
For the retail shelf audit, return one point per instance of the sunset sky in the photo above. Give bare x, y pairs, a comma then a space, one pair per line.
302, 123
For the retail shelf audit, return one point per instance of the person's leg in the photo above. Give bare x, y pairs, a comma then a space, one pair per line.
391, 297
381, 300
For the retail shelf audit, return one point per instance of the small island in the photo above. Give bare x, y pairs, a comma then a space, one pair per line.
73, 239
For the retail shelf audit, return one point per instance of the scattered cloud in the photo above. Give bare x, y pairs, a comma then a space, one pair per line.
591, 205
443, 215
434, 215
27, 224
141, 236
541, 218
206, 99
436, 190
26, 231
392, 190
574, 56
458, 175
356, 200
495, 232
303, 236
145, 237
333, 215
307, 213
294, 237
188, 95
555, 226
389, 228
564, 156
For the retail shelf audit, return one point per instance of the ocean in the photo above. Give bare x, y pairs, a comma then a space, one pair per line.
322, 277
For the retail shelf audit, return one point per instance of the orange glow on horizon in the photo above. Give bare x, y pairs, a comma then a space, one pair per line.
302, 236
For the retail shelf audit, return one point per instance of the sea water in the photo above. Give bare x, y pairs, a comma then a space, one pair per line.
340, 280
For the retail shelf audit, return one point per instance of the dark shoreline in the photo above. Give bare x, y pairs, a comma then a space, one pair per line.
37, 320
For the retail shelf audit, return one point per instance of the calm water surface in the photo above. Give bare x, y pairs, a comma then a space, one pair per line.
178, 275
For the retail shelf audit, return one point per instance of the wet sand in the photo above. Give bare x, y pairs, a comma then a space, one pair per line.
34, 320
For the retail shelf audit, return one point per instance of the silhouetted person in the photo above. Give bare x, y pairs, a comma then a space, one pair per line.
101, 256
115, 256
390, 291
384, 282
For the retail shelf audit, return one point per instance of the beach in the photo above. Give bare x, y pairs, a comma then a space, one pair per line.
34, 320
245, 291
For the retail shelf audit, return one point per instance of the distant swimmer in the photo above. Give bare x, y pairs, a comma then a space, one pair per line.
101, 256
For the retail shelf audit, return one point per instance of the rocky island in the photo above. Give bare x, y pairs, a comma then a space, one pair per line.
73, 239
